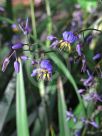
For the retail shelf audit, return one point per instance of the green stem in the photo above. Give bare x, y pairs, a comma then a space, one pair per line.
49, 25
33, 19
89, 29
40, 83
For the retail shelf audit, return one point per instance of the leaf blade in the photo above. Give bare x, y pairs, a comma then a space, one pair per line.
21, 113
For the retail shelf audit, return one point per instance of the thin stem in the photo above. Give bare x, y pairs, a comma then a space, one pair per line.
11, 54
49, 25
39, 51
33, 19
89, 29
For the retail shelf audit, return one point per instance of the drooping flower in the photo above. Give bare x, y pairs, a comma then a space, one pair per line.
7, 61
86, 122
89, 81
93, 96
17, 46
78, 49
17, 66
65, 43
5, 64
24, 58
97, 56
89, 39
43, 71
51, 37
94, 124
81, 91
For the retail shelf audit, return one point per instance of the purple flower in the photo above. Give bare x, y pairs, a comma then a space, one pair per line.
43, 71
89, 39
16, 46
24, 58
64, 43
17, 66
1, 9
15, 27
45, 64
69, 37
26, 29
78, 49
96, 97
78, 133
54, 44
81, 91
51, 37
5, 64
70, 115
34, 73
97, 56
34, 62
94, 124
89, 81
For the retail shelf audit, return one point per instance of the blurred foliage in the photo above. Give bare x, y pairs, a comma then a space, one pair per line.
46, 113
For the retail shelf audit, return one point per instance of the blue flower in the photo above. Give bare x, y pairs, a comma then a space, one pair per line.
43, 71
65, 43
45, 64
69, 37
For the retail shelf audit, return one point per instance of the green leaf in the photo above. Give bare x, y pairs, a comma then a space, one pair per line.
6, 20
21, 112
65, 71
6, 100
63, 125
88, 4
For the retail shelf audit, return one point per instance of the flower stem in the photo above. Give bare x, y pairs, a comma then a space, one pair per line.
33, 19
49, 24
89, 29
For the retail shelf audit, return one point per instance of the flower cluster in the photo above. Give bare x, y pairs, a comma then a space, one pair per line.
42, 69
70, 115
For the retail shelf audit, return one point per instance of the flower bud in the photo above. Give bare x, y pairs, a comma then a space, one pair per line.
17, 46
5, 64
24, 58
51, 38
97, 56
16, 66
78, 49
